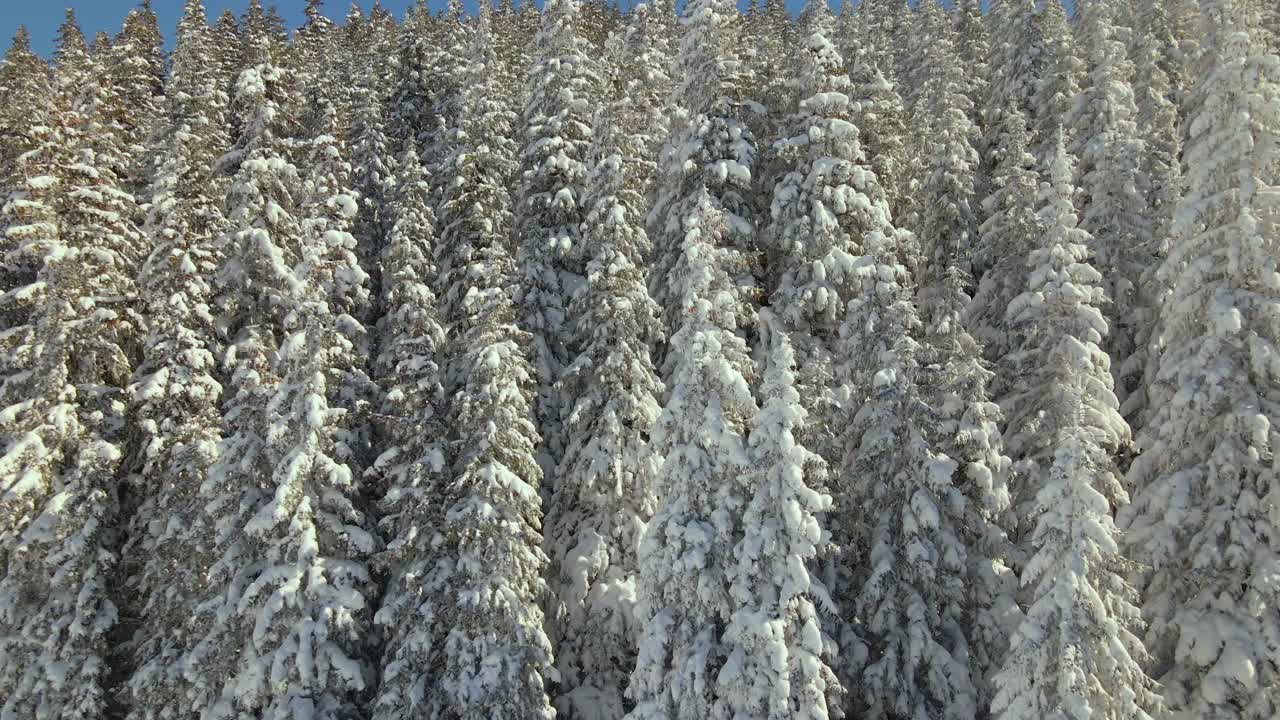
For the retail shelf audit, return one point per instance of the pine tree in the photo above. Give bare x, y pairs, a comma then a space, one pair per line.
973, 44
490, 656
641, 75
24, 82
882, 124
175, 391
1113, 189
605, 488
373, 180
904, 640
948, 228
1075, 654
287, 614
1203, 480
1059, 73
1059, 327
821, 211
561, 89
957, 385
711, 152
66, 365
778, 657
1010, 232
412, 437
137, 69
689, 549
1012, 78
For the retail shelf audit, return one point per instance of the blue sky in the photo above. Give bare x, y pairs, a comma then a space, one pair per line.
42, 17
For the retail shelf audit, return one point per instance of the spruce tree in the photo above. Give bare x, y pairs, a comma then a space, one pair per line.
605, 488
286, 616
711, 152
1205, 473
1009, 233
175, 392
821, 211
689, 548
778, 656
411, 434
490, 655
561, 89
1059, 72
1076, 653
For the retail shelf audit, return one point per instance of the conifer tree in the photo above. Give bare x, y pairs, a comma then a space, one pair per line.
688, 551
1010, 232
137, 69
373, 180
882, 121
58, 461
175, 392
1112, 187
490, 655
1076, 652
24, 82
1203, 480
1012, 78
905, 641
550, 208
605, 489
286, 617
712, 152
821, 211
973, 44
1059, 72
412, 437
778, 657
948, 227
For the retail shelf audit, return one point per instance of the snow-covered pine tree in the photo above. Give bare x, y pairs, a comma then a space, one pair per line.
412, 439
779, 659
311, 56
821, 210
1058, 74
956, 384
1113, 190
59, 499
562, 87
710, 153
175, 392
24, 83
881, 119
904, 640
688, 551
1059, 327
490, 657
286, 617
948, 228
1076, 653
605, 487
1009, 233
1205, 481
1012, 79
72, 66
373, 180
973, 44
137, 67
640, 73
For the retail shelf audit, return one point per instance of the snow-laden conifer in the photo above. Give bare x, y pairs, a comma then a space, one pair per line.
1009, 233
821, 211
711, 153
490, 655
779, 662
58, 457
688, 551
1205, 480
605, 489
556, 127
175, 394
901, 515
411, 437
